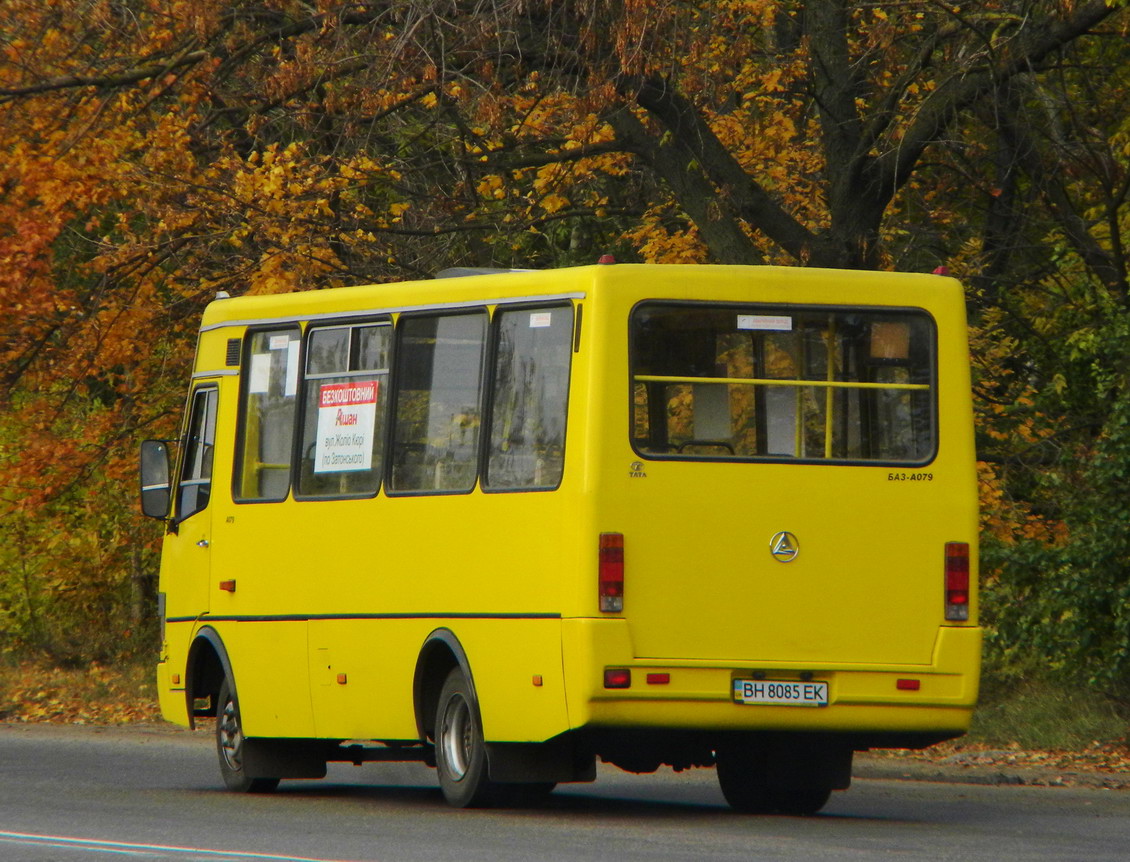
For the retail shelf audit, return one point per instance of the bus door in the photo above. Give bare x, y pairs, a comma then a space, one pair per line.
187, 550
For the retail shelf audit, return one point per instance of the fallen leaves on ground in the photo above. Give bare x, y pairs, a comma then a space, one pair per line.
1054, 767
33, 692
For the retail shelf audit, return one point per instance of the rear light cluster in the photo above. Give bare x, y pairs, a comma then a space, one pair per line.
957, 581
611, 573
621, 677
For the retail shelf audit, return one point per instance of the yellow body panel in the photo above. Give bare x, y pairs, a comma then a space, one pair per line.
333, 600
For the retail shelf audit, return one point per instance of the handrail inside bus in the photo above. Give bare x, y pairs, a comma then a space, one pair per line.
765, 381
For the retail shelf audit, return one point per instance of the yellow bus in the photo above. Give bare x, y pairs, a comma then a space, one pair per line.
511, 523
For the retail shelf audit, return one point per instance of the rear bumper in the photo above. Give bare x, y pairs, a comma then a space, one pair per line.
865, 702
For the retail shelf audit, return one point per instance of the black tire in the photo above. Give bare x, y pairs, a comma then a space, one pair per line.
801, 801
231, 745
755, 780
461, 759
743, 779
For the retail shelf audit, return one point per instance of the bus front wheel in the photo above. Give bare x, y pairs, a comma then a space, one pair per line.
460, 749
231, 746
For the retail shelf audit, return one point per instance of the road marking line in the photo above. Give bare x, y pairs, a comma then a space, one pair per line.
124, 847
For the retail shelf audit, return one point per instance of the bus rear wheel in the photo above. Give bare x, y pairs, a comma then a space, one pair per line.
231, 746
461, 759
757, 780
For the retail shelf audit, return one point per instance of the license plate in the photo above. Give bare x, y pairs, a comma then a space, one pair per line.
776, 692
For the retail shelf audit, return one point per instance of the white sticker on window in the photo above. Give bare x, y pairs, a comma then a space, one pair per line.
771, 322
260, 380
292, 369
541, 319
280, 342
347, 417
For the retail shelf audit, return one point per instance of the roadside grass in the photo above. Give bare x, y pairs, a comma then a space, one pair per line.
1047, 715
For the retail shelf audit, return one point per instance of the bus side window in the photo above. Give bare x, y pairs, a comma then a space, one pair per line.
530, 398
195, 485
343, 424
270, 389
438, 402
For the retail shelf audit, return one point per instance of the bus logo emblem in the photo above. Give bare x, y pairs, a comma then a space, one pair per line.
784, 547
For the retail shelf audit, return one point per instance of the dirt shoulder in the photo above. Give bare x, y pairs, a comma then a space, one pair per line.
1099, 766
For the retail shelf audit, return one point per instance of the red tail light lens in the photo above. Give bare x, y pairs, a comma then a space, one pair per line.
611, 573
617, 677
957, 581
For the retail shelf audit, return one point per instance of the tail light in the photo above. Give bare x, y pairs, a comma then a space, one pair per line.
957, 581
617, 677
611, 573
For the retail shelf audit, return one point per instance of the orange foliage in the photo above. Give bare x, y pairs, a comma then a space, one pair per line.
1009, 520
161, 150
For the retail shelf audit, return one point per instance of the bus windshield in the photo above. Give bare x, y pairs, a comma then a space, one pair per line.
723, 381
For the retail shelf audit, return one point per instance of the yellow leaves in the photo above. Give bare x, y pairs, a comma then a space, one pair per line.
548, 176
551, 203
657, 242
491, 187
771, 83
1010, 520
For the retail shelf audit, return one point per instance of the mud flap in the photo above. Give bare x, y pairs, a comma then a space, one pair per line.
278, 758
556, 761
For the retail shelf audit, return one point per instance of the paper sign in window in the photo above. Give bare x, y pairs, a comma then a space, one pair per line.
291, 370
890, 340
347, 418
766, 322
260, 374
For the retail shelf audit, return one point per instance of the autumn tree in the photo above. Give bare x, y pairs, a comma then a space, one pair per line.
161, 151
1050, 286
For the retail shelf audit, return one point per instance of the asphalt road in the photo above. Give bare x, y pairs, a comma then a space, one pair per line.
85, 794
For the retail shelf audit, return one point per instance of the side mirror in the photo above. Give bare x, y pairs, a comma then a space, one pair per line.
155, 472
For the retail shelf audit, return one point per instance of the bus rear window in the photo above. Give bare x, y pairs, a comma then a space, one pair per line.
715, 381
